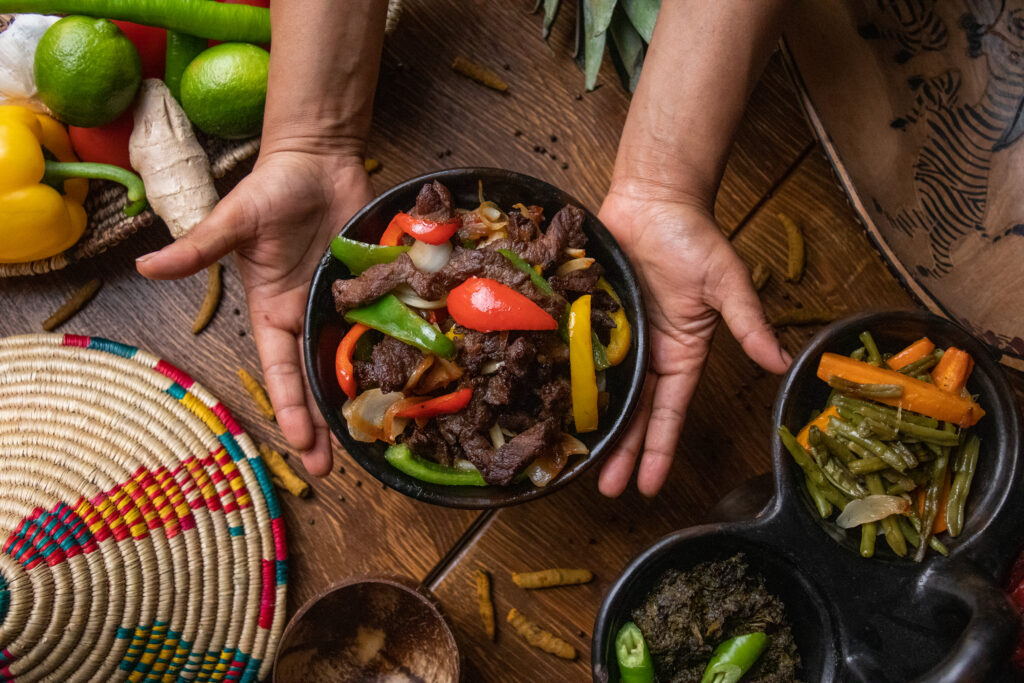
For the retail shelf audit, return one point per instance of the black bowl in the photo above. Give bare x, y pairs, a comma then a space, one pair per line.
324, 328
880, 619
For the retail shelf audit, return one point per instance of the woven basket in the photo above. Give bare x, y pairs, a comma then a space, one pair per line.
142, 539
107, 223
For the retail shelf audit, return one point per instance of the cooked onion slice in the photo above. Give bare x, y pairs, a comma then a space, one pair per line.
497, 437
491, 367
409, 297
365, 415
575, 264
443, 373
871, 509
548, 465
572, 252
418, 372
430, 258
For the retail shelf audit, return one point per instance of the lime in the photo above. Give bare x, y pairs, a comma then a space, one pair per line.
87, 71
224, 89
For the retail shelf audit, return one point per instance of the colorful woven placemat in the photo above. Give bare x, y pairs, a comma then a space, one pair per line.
141, 536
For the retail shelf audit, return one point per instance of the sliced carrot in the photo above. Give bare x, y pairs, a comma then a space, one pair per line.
916, 351
919, 397
940, 519
820, 422
952, 371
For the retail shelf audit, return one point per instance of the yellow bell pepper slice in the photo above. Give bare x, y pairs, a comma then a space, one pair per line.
621, 334
581, 366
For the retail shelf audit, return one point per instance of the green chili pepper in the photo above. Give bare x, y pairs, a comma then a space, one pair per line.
181, 50
401, 458
59, 171
635, 665
522, 265
390, 316
358, 256
734, 657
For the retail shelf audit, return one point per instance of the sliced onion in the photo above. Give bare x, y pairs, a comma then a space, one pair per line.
463, 465
491, 367
418, 372
393, 426
409, 297
581, 263
495, 237
491, 213
871, 509
550, 464
443, 373
497, 437
430, 258
365, 414
570, 445
574, 253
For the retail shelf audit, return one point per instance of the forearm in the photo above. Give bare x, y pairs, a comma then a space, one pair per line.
702, 64
323, 72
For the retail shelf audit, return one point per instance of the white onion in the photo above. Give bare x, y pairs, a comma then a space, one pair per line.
570, 445
581, 263
365, 414
574, 253
409, 297
871, 509
549, 465
491, 367
464, 465
491, 213
497, 438
430, 258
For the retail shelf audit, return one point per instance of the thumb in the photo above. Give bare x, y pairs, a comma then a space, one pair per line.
741, 309
206, 243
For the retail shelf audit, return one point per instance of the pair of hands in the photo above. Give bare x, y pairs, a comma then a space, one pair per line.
281, 217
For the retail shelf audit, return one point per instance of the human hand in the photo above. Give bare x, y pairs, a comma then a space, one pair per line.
280, 220
690, 275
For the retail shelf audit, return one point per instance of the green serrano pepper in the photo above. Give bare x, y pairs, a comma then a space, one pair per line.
214, 20
390, 316
734, 657
633, 656
401, 458
181, 50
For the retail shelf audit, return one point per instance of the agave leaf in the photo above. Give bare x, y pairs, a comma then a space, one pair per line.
642, 14
628, 55
597, 15
550, 12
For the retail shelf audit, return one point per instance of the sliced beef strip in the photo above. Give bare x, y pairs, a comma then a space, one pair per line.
378, 280
476, 418
521, 228
565, 230
520, 451
578, 281
520, 357
434, 203
500, 388
426, 442
556, 400
516, 420
390, 365
476, 348
603, 301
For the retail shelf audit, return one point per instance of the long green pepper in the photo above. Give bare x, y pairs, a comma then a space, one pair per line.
390, 316
633, 655
734, 657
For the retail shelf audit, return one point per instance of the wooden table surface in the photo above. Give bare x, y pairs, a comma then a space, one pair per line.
427, 117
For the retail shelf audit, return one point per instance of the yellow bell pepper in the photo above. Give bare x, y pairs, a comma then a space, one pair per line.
36, 220
618, 343
582, 375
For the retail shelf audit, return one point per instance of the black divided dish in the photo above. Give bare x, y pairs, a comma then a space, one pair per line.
324, 329
878, 620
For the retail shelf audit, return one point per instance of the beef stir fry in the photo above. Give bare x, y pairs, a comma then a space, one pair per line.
479, 340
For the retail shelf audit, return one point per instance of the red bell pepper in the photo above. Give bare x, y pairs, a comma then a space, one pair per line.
105, 144
343, 359
151, 43
489, 306
392, 236
431, 232
442, 405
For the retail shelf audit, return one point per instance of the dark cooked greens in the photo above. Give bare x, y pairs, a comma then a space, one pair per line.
689, 613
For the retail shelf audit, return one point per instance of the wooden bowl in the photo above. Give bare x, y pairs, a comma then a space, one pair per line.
368, 629
920, 107
325, 328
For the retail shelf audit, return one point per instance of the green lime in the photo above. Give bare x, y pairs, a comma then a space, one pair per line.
87, 71
224, 89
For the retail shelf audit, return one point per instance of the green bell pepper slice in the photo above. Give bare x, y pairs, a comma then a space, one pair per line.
734, 657
390, 316
401, 458
520, 263
358, 256
635, 665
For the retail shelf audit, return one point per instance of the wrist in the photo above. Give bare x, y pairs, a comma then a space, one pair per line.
656, 173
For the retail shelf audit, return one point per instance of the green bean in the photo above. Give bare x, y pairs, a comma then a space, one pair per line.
843, 479
820, 502
890, 419
893, 459
868, 465
904, 453
833, 495
835, 447
923, 364
933, 542
859, 353
803, 459
857, 390
871, 348
931, 499
900, 482
882, 430
909, 532
966, 462
890, 527
897, 414
868, 533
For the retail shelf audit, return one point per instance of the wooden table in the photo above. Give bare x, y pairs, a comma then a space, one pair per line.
428, 117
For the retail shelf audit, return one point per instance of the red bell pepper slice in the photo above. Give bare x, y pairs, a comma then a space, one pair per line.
343, 359
392, 236
442, 405
431, 232
488, 306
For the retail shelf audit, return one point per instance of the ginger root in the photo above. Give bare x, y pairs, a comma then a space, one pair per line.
170, 161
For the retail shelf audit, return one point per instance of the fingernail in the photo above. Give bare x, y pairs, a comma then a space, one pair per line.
786, 358
145, 257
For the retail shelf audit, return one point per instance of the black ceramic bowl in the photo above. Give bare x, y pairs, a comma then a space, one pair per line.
324, 329
881, 619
